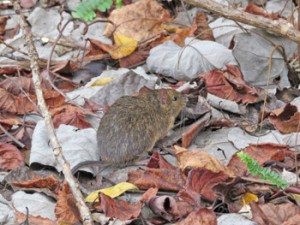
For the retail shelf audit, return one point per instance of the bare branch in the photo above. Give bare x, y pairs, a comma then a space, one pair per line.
83, 209
278, 27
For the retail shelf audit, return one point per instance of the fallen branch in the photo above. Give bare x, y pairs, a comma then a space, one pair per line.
83, 209
278, 27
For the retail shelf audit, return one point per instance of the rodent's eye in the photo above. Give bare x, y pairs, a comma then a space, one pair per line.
174, 98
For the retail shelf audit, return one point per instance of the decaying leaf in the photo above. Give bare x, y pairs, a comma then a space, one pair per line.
66, 210
51, 183
261, 153
287, 119
200, 183
200, 217
112, 192
229, 84
70, 115
117, 208
264, 214
140, 20
10, 157
196, 159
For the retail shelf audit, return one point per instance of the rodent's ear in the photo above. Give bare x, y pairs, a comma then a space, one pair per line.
142, 91
163, 96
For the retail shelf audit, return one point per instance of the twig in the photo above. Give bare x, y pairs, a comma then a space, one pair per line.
57, 150
279, 27
11, 137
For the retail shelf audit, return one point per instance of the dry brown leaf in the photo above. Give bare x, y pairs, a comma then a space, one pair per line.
66, 211
9, 119
265, 214
66, 67
156, 161
26, 103
165, 207
117, 208
286, 120
51, 183
187, 159
163, 179
261, 153
10, 157
15, 85
140, 20
200, 217
7, 102
3, 24
150, 193
229, 84
253, 9
70, 115
32, 220
200, 183
200, 28
53, 98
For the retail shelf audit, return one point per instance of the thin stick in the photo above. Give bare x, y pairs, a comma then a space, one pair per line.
11, 137
57, 150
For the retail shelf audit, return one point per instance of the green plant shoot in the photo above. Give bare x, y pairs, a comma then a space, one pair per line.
264, 173
86, 9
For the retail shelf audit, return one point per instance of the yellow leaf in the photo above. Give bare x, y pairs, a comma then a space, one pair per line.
112, 192
248, 197
124, 46
101, 81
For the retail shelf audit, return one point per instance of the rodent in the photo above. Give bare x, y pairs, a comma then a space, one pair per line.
133, 124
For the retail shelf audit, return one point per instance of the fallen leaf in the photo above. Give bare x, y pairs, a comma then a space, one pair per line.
187, 159
50, 183
156, 161
165, 207
139, 21
32, 220
66, 211
70, 115
200, 27
9, 119
10, 157
286, 120
261, 153
150, 193
200, 217
124, 46
265, 214
248, 197
17, 85
7, 102
3, 21
53, 98
256, 10
200, 182
229, 84
112, 192
163, 179
117, 208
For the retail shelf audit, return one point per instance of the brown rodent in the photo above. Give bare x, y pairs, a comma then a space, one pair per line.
133, 124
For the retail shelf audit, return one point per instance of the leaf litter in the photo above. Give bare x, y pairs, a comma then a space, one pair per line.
196, 177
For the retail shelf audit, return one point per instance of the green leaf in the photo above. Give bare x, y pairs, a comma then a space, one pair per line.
85, 10
264, 173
